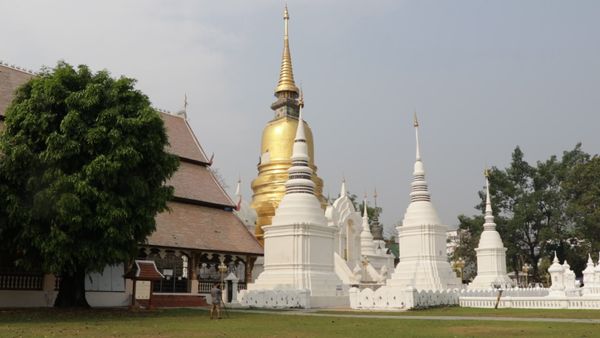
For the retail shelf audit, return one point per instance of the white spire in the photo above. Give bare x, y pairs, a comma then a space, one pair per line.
489, 216
238, 188
419, 191
366, 238
555, 260
343, 191
300, 173
416, 125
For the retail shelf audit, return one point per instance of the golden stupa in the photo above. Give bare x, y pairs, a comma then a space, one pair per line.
276, 145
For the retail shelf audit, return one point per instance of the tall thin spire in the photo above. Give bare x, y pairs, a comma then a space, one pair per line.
238, 187
286, 75
367, 246
416, 125
300, 173
238, 194
419, 190
376, 228
343, 191
375, 197
489, 216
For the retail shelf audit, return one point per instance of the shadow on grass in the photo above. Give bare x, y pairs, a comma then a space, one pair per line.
50, 315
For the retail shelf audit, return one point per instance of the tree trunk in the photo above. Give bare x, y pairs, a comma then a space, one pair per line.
71, 292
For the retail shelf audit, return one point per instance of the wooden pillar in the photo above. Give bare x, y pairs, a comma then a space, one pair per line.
192, 273
133, 292
249, 267
192, 266
150, 297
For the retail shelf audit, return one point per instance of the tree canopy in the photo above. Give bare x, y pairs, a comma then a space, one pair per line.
542, 208
82, 175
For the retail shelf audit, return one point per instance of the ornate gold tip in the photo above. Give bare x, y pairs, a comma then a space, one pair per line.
286, 74
416, 122
486, 172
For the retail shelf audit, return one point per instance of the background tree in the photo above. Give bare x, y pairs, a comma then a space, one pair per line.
582, 188
530, 204
469, 230
82, 175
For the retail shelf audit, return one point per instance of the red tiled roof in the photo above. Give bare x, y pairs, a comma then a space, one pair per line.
10, 80
197, 182
144, 271
182, 141
204, 228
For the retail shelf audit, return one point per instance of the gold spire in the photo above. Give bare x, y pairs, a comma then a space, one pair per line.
286, 75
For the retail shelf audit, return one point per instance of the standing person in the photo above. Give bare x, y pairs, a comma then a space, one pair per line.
217, 297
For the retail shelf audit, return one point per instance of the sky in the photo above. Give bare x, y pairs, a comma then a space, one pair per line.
483, 77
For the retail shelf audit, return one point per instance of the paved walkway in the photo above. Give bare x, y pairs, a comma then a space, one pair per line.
400, 317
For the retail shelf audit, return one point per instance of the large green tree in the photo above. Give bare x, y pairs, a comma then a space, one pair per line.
531, 207
82, 174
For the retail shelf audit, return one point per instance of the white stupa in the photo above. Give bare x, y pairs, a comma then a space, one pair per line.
367, 245
491, 253
422, 239
299, 245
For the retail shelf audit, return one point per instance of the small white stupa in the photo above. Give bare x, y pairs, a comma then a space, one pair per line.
299, 248
491, 253
367, 246
422, 239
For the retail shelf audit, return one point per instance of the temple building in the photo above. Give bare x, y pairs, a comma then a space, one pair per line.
277, 143
199, 233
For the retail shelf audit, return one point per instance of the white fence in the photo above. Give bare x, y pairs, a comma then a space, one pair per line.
531, 302
387, 297
275, 298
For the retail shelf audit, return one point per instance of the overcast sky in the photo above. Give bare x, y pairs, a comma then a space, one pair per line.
484, 77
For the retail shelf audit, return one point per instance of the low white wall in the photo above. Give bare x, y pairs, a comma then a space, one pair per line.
16, 298
107, 299
388, 297
547, 302
275, 299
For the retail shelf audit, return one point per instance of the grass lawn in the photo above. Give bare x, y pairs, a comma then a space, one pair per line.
476, 312
195, 323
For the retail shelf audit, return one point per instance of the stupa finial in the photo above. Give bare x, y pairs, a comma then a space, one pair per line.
416, 125
286, 74
343, 191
